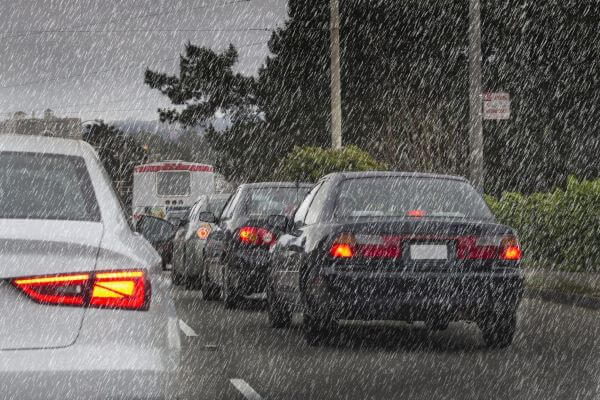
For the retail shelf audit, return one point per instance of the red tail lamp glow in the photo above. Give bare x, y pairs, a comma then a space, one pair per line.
203, 232
366, 246
108, 289
341, 250
416, 213
511, 250
254, 236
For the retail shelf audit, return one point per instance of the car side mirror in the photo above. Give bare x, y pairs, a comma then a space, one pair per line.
279, 223
155, 230
207, 216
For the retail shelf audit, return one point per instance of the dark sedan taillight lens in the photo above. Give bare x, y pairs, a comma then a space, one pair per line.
489, 248
510, 249
127, 289
255, 236
366, 246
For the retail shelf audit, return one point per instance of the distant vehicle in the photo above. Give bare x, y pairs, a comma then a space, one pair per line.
395, 246
168, 189
160, 233
189, 243
237, 252
85, 312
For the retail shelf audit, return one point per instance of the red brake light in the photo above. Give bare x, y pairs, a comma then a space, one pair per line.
341, 250
366, 246
58, 289
121, 289
416, 213
111, 289
510, 249
489, 248
203, 232
254, 236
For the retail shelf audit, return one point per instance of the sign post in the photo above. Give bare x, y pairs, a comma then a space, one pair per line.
475, 120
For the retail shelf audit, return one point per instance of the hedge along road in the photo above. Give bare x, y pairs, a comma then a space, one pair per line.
555, 355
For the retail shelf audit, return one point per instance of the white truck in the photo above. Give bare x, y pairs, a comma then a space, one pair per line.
168, 189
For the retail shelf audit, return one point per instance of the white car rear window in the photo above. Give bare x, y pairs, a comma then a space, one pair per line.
46, 186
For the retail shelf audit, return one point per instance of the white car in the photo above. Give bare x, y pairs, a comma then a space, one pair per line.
84, 310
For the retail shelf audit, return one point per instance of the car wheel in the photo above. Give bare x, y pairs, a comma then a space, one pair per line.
279, 315
316, 331
498, 332
230, 297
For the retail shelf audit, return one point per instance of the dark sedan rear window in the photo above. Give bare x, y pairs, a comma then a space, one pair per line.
272, 201
43, 186
409, 196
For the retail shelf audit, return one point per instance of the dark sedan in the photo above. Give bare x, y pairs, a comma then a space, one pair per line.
395, 246
237, 251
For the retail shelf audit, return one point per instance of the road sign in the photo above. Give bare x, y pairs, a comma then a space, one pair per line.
496, 106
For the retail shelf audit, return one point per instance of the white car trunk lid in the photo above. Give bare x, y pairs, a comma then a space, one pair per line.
36, 248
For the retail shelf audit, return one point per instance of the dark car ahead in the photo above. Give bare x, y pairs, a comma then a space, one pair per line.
237, 251
395, 246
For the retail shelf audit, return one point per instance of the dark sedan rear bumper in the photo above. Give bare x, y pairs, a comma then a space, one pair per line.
248, 271
414, 296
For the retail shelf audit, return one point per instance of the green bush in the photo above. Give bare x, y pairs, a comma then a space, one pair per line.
557, 229
311, 163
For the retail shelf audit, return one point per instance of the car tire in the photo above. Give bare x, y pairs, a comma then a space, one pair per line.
498, 331
316, 331
279, 315
229, 295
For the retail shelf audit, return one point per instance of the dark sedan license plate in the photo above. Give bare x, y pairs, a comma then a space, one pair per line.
428, 252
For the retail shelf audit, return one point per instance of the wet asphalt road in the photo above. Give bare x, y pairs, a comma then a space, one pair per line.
555, 355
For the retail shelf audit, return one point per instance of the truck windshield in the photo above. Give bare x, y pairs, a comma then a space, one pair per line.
170, 183
43, 186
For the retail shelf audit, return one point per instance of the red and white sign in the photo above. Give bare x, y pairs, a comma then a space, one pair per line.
496, 106
174, 166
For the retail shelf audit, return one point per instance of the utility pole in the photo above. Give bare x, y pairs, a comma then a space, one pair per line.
476, 123
336, 85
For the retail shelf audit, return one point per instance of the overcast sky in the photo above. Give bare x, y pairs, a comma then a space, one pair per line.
86, 58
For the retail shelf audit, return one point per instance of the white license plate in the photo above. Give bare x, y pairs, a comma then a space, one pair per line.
428, 252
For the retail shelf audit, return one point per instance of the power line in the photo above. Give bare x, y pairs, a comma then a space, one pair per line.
84, 74
177, 30
103, 71
161, 12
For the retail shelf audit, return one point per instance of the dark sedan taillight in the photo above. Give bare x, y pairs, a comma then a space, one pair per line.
489, 248
128, 289
254, 236
347, 246
366, 246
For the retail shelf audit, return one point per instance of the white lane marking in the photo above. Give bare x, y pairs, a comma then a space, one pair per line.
245, 389
187, 294
185, 328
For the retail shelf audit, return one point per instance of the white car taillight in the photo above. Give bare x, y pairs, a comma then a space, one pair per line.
128, 289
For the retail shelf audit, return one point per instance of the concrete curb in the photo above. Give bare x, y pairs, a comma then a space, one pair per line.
571, 299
